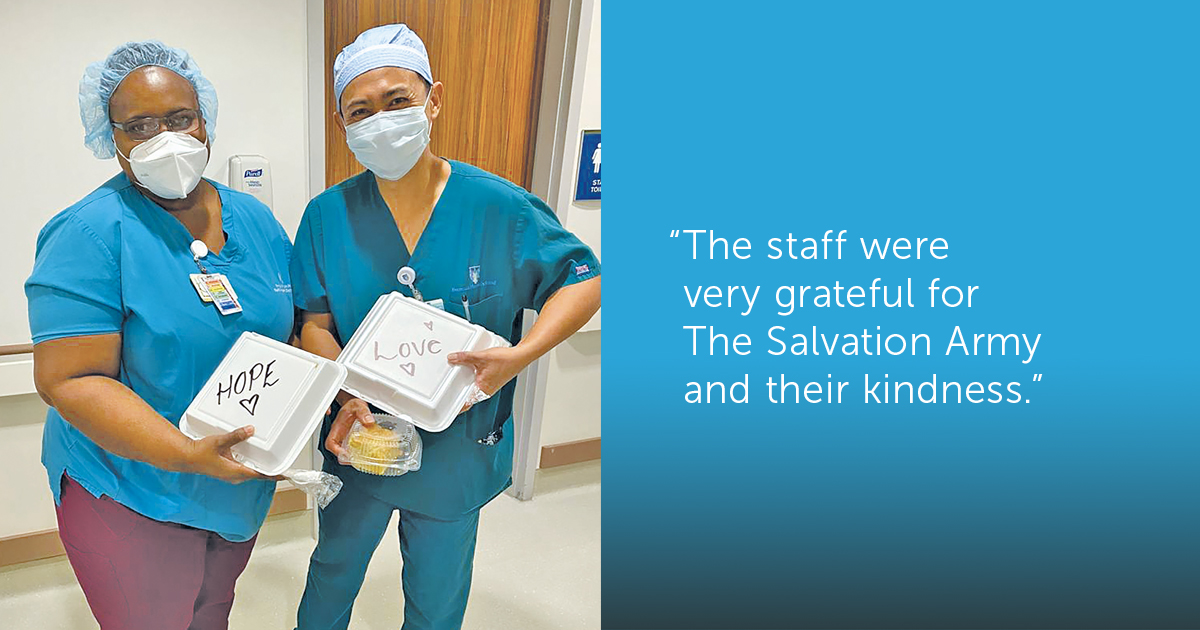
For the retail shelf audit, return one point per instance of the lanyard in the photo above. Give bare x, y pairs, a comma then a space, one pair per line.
199, 250
408, 277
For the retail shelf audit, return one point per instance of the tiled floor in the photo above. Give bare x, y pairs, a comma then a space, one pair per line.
537, 567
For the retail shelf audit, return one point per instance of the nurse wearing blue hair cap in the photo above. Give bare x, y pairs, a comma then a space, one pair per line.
157, 527
481, 246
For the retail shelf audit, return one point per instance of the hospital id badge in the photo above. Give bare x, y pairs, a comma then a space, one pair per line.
222, 293
201, 290
438, 304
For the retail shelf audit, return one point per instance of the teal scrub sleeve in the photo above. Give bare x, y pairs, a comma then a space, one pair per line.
75, 288
286, 242
547, 257
308, 278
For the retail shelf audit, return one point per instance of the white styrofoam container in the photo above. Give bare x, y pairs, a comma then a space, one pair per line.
281, 390
396, 360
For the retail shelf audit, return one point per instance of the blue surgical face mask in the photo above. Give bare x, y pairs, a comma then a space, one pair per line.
390, 143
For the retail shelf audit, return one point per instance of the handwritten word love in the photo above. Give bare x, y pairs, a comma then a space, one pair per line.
407, 349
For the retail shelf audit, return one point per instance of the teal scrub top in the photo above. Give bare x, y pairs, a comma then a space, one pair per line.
115, 262
488, 240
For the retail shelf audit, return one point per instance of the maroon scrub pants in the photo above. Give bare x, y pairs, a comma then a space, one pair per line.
138, 573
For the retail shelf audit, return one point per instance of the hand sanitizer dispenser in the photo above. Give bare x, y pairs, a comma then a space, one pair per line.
251, 174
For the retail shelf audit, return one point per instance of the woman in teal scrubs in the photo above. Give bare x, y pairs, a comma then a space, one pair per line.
476, 242
157, 526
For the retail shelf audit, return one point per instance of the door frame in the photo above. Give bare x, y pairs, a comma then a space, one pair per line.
566, 53
315, 143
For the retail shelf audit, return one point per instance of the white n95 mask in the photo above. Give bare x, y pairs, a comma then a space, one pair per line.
390, 143
169, 165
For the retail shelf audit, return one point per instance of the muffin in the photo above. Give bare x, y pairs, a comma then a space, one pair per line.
385, 448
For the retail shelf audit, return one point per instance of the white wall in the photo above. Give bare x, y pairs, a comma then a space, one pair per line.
572, 400
24, 493
255, 54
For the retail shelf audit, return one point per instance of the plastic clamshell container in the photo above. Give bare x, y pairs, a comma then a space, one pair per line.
396, 360
390, 448
281, 390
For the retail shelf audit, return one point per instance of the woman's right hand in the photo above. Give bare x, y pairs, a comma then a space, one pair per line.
354, 409
212, 456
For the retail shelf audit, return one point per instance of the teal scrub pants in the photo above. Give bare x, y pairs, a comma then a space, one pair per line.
438, 556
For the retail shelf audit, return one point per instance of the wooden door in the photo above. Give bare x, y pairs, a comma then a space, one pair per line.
489, 55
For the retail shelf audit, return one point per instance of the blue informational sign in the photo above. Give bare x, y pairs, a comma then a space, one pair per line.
589, 168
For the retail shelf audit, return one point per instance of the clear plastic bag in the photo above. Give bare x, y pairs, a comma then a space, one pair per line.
392, 447
321, 486
477, 395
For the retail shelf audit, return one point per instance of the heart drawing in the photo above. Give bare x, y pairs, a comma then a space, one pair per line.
249, 404
429, 324
409, 367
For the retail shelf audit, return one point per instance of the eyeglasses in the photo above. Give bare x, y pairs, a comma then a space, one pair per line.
182, 121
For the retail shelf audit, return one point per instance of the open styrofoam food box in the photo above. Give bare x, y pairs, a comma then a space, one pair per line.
396, 360
281, 390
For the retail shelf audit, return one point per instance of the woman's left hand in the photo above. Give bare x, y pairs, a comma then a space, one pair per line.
493, 367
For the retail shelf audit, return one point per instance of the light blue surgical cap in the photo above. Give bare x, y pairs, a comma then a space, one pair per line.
392, 45
101, 79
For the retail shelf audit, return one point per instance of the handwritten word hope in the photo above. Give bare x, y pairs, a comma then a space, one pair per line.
259, 375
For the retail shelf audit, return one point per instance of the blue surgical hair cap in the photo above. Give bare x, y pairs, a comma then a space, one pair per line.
391, 45
101, 79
